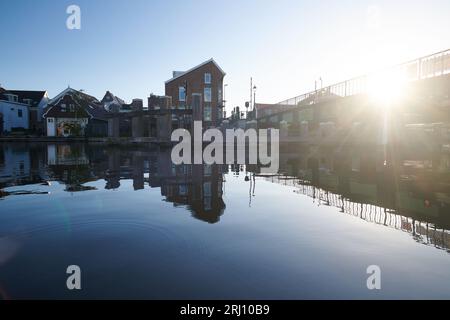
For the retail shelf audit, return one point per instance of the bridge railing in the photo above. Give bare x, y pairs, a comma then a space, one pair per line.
430, 66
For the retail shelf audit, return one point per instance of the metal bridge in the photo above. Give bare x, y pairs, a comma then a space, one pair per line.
434, 65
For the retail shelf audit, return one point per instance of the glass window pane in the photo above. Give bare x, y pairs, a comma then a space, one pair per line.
207, 78
207, 93
181, 94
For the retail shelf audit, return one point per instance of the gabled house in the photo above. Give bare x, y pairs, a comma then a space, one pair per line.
206, 80
112, 103
37, 101
75, 113
14, 113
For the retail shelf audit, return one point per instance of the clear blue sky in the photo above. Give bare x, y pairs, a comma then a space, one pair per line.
131, 46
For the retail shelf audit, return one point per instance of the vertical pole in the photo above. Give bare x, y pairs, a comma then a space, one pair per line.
254, 99
251, 91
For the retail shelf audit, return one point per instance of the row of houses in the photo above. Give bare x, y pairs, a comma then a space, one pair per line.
76, 113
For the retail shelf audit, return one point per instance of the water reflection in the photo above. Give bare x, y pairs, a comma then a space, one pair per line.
406, 190
198, 187
409, 191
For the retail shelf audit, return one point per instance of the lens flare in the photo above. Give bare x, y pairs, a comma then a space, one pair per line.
387, 88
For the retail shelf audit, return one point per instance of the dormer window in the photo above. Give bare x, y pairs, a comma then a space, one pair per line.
28, 101
12, 97
207, 78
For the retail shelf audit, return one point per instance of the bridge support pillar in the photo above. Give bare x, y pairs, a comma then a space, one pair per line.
164, 121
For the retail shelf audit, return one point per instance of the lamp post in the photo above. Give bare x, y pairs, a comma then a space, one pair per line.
247, 105
224, 100
254, 103
254, 97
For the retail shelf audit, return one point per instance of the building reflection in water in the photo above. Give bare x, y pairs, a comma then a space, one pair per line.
197, 187
409, 191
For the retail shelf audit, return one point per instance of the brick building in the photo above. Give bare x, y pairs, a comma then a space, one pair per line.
205, 79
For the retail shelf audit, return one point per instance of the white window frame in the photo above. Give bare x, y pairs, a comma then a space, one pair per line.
12, 97
181, 89
208, 78
220, 96
205, 95
207, 113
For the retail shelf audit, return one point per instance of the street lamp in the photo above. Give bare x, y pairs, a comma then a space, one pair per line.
254, 97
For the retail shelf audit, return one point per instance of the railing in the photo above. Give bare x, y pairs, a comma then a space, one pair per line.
423, 232
430, 66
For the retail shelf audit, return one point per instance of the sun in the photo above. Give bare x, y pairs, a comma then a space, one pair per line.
386, 88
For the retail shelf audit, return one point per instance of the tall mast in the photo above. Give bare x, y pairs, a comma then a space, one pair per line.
251, 92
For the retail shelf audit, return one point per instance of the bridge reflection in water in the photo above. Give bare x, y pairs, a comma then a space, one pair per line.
409, 192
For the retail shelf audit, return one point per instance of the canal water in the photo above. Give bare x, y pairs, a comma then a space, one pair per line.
140, 227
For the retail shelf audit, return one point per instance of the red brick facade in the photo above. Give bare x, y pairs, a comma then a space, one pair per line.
195, 81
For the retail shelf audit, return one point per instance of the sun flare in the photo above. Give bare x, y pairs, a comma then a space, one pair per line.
387, 88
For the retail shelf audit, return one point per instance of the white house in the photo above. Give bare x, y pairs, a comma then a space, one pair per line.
37, 101
15, 163
13, 114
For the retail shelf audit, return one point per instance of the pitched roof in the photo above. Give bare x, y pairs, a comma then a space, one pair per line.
76, 92
22, 95
97, 112
36, 96
88, 104
113, 97
179, 74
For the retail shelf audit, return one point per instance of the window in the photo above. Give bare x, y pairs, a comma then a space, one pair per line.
207, 171
207, 189
28, 101
207, 204
71, 107
12, 97
207, 112
182, 94
182, 190
19, 113
50, 120
207, 78
219, 96
207, 94
63, 107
